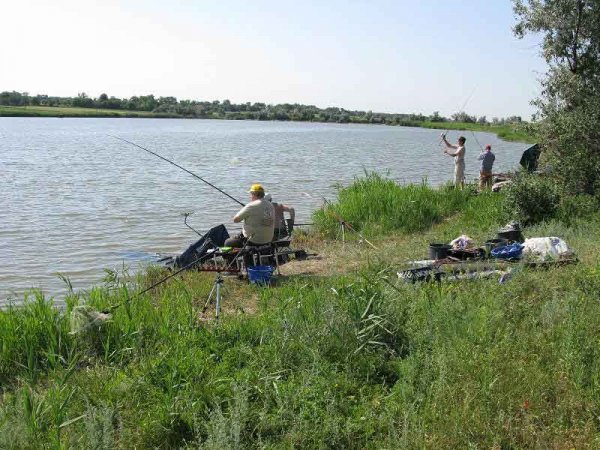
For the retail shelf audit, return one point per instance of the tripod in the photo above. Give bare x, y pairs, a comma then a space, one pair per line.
219, 281
216, 289
344, 225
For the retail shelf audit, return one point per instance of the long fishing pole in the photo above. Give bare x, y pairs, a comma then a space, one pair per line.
475, 137
177, 165
462, 108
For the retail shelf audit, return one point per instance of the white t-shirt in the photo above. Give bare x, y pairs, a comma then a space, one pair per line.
258, 221
459, 159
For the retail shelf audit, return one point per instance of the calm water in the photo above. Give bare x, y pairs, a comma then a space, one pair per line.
75, 201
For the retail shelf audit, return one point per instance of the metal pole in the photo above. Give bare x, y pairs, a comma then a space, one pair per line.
186, 215
344, 223
218, 282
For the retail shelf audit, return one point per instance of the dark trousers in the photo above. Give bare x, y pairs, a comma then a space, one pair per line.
237, 241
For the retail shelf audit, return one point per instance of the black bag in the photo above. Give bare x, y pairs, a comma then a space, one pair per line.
212, 239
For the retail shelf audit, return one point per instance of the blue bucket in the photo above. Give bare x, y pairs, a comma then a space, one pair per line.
260, 274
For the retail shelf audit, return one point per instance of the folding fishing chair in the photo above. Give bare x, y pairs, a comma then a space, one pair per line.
277, 251
282, 245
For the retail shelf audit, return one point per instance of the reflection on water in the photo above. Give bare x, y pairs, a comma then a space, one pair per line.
75, 201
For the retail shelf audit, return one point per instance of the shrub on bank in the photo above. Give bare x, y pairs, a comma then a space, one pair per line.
576, 206
33, 339
375, 205
531, 198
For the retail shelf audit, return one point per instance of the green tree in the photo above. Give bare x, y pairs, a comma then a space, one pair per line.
82, 101
570, 103
435, 117
463, 117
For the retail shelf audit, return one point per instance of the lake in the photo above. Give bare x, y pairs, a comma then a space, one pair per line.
76, 201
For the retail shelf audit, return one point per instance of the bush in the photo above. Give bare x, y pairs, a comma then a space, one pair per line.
571, 148
531, 199
573, 207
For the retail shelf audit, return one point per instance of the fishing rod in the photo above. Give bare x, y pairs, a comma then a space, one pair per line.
85, 317
475, 137
177, 165
462, 108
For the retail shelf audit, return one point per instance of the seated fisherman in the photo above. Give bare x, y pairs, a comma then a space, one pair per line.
281, 230
258, 220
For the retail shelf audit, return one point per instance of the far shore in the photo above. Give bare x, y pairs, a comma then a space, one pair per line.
508, 132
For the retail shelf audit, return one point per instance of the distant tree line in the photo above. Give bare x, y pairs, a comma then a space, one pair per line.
243, 111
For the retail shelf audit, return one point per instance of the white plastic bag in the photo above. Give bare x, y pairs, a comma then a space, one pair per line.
463, 242
544, 248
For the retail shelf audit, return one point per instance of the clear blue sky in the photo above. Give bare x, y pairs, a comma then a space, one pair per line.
384, 56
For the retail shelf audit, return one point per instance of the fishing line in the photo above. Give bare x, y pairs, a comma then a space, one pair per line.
177, 165
475, 137
462, 108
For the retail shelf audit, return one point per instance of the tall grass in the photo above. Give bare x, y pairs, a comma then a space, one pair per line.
375, 204
33, 339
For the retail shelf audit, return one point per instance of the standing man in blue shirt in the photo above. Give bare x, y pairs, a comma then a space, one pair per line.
485, 170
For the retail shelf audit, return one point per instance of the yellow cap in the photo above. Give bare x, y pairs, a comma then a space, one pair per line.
256, 188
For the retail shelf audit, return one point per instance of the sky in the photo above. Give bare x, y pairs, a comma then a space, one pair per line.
416, 56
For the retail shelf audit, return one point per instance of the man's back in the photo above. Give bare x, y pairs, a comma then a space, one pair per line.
258, 218
487, 160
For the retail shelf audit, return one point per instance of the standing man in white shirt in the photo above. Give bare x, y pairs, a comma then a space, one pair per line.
459, 159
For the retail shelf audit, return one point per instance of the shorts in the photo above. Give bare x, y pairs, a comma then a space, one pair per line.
459, 173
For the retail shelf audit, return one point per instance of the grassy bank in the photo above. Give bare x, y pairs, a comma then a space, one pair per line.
510, 132
334, 359
56, 111
516, 132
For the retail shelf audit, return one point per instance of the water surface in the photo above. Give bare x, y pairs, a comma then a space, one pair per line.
75, 201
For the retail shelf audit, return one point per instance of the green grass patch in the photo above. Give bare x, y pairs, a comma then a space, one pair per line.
375, 204
56, 111
322, 362
510, 132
